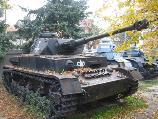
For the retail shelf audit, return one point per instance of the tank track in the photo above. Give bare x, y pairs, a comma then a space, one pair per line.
59, 105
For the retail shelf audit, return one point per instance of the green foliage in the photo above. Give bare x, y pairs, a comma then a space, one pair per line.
61, 16
34, 111
41, 103
5, 43
5, 39
3, 26
26, 28
135, 102
131, 103
36, 105
4, 4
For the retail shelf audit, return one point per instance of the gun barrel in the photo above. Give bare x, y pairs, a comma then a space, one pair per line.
139, 25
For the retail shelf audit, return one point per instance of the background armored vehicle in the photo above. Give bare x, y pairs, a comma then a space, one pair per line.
106, 48
132, 57
139, 61
56, 70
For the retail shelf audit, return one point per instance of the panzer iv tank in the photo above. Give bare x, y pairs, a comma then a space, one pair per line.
58, 71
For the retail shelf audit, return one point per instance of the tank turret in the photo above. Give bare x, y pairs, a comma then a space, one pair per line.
48, 44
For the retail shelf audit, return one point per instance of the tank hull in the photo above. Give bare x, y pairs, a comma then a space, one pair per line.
16, 82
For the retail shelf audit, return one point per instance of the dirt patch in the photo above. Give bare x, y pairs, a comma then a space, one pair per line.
150, 95
10, 108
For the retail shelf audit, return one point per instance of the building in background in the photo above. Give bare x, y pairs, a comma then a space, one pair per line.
11, 29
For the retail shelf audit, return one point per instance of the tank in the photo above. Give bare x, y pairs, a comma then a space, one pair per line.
132, 57
57, 70
140, 62
106, 48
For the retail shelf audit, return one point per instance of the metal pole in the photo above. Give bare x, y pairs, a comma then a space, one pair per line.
6, 1
5, 15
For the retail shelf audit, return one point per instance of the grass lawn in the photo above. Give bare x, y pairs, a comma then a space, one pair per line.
147, 83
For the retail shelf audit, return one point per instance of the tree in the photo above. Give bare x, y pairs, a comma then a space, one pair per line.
3, 4
5, 38
5, 43
129, 11
61, 16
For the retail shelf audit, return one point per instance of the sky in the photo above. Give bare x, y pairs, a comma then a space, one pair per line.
15, 13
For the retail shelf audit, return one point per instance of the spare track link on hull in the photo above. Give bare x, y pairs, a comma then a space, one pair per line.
59, 105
